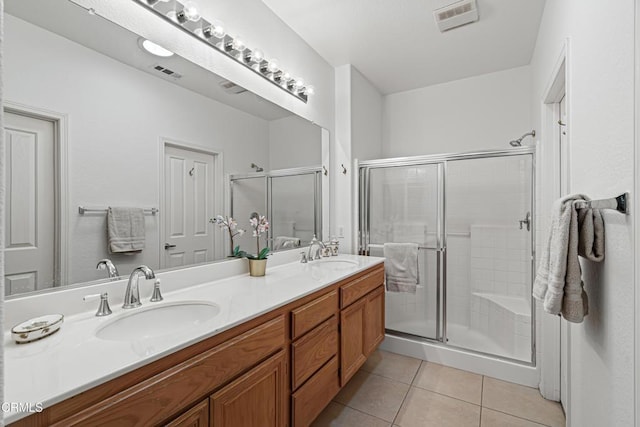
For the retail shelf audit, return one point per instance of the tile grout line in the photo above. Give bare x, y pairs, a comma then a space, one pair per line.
363, 412
407, 394
481, 401
519, 417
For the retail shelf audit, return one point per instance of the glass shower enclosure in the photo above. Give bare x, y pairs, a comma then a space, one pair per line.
471, 217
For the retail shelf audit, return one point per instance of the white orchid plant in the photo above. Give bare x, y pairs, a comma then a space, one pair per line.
232, 227
260, 225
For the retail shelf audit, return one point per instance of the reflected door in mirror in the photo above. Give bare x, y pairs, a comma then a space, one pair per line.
189, 203
30, 226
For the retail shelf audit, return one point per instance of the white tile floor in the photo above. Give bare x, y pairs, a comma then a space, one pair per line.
399, 391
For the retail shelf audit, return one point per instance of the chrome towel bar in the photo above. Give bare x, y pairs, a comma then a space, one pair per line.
620, 203
83, 209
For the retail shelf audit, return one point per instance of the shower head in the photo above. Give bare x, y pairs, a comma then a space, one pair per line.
256, 167
518, 142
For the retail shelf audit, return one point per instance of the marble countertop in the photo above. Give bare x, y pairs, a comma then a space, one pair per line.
73, 360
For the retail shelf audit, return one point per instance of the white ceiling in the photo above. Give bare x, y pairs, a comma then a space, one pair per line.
68, 20
397, 45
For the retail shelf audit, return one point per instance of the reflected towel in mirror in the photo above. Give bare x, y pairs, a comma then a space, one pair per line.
284, 242
125, 229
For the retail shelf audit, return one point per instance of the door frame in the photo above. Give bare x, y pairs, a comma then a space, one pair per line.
218, 189
62, 208
550, 326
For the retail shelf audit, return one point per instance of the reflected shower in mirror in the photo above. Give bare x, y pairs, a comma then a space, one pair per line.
94, 121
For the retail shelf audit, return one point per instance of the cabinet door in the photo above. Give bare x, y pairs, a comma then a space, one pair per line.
256, 399
198, 416
374, 320
352, 327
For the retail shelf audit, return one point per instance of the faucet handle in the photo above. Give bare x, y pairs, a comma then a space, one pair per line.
103, 308
303, 260
157, 296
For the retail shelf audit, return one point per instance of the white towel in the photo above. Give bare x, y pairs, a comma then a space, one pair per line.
401, 267
125, 227
558, 280
284, 242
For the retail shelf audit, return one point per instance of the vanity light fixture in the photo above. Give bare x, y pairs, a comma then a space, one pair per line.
187, 17
154, 48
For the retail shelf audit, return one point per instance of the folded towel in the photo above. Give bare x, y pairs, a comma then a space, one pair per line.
125, 228
401, 267
284, 242
558, 280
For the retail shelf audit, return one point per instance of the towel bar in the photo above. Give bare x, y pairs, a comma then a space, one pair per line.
83, 209
620, 203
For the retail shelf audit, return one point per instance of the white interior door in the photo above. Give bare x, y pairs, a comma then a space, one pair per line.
30, 204
188, 205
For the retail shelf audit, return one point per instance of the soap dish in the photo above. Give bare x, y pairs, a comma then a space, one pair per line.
38, 328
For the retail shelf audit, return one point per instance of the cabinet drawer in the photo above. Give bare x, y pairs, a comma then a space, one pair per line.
313, 350
354, 290
310, 315
311, 398
175, 389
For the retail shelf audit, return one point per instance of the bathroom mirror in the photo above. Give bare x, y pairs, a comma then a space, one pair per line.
95, 121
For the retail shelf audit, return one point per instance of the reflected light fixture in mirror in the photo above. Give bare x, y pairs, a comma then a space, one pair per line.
187, 17
154, 48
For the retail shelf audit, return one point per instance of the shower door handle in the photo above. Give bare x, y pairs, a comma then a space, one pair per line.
526, 220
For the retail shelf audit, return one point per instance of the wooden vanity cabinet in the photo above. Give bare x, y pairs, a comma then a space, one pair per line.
279, 369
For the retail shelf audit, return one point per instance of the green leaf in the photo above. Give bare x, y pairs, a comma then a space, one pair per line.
263, 253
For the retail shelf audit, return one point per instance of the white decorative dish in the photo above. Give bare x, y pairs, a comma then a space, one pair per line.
37, 328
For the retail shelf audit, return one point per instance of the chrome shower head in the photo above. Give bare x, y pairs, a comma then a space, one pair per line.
518, 142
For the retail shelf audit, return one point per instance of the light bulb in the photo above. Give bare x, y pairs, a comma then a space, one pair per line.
309, 90
218, 29
286, 76
190, 11
257, 56
272, 67
299, 84
238, 44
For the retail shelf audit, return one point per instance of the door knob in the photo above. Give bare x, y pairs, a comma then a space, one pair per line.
526, 220
169, 246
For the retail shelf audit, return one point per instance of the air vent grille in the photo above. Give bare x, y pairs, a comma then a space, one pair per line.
167, 71
456, 14
231, 87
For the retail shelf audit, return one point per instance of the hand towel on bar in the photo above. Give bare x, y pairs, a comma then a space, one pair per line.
125, 230
401, 267
558, 280
284, 242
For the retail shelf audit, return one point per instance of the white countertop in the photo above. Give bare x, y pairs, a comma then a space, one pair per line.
74, 359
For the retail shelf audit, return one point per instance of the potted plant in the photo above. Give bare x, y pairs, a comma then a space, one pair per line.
232, 227
258, 262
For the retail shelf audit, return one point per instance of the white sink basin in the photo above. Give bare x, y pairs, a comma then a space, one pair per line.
335, 264
158, 320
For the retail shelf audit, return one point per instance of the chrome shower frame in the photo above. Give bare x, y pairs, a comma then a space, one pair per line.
364, 232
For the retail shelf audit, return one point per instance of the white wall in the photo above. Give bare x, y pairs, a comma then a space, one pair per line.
601, 137
366, 118
115, 125
478, 113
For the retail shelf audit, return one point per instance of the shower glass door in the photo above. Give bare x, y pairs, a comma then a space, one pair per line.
489, 255
405, 207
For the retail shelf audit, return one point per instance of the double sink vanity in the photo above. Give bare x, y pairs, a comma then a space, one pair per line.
221, 349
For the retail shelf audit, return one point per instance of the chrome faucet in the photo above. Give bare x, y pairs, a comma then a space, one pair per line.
132, 295
106, 264
321, 246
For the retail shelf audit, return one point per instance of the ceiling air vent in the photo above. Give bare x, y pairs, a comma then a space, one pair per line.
166, 71
231, 87
456, 14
